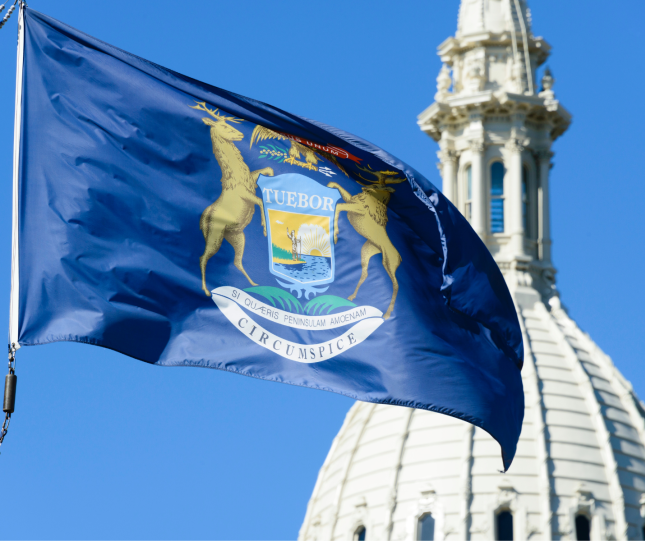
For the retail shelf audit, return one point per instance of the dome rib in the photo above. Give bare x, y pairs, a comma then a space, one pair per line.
352, 414
348, 464
466, 484
392, 489
560, 323
532, 385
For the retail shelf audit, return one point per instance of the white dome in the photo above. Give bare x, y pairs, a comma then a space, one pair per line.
582, 450
581, 454
496, 16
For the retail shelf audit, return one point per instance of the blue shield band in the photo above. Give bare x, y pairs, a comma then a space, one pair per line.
182, 224
310, 212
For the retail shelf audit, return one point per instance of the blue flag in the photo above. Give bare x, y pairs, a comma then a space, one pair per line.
181, 224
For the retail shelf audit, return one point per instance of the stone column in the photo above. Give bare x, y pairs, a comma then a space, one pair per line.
448, 166
544, 218
513, 197
478, 218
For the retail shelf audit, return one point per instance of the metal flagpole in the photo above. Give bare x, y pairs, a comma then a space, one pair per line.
15, 275
11, 379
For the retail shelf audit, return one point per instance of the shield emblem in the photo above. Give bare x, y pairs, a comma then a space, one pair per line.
299, 214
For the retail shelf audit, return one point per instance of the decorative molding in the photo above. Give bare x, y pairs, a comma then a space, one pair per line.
477, 146
476, 76
444, 82
584, 501
506, 499
515, 144
543, 154
427, 503
585, 504
448, 156
360, 517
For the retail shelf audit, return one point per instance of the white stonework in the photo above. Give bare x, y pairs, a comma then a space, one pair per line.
582, 448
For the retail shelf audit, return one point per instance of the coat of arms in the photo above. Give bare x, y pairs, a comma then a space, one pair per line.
300, 220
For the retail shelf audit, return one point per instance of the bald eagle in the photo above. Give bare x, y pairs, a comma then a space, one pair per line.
312, 156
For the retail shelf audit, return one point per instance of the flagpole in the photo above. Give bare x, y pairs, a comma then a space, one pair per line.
15, 274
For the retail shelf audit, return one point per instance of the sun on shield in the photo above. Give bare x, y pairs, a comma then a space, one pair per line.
299, 213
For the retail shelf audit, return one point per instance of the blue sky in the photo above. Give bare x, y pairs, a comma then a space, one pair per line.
103, 446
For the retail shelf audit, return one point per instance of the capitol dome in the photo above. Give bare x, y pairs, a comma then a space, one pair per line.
395, 473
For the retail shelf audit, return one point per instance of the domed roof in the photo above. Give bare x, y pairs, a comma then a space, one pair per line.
582, 451
497, 16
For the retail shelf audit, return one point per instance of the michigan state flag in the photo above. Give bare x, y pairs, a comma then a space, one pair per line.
181, 224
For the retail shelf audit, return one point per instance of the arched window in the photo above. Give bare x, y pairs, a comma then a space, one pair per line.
504, 523
497, 197
526, 221
425, 528
359, 534
583, 528
469, 193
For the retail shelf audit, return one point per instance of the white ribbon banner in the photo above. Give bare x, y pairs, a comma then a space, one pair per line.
229, 300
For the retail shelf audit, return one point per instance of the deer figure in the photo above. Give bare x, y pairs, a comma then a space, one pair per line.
367, 212
233, 210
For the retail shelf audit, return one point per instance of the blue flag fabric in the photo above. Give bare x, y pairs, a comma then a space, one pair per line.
181, 224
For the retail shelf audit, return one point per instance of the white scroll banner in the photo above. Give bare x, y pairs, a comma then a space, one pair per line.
229, 300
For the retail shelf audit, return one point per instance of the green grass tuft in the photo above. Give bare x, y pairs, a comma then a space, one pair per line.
331, 302
287, 300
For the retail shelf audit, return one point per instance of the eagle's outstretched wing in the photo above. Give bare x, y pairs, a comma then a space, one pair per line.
260, 133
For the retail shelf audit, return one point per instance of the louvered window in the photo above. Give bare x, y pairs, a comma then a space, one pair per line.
497, 197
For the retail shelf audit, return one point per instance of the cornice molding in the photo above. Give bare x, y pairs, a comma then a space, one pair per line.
448, 155
515, 144
477, 146
543, 154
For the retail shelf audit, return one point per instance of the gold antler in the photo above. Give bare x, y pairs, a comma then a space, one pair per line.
395, 180
201, 106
